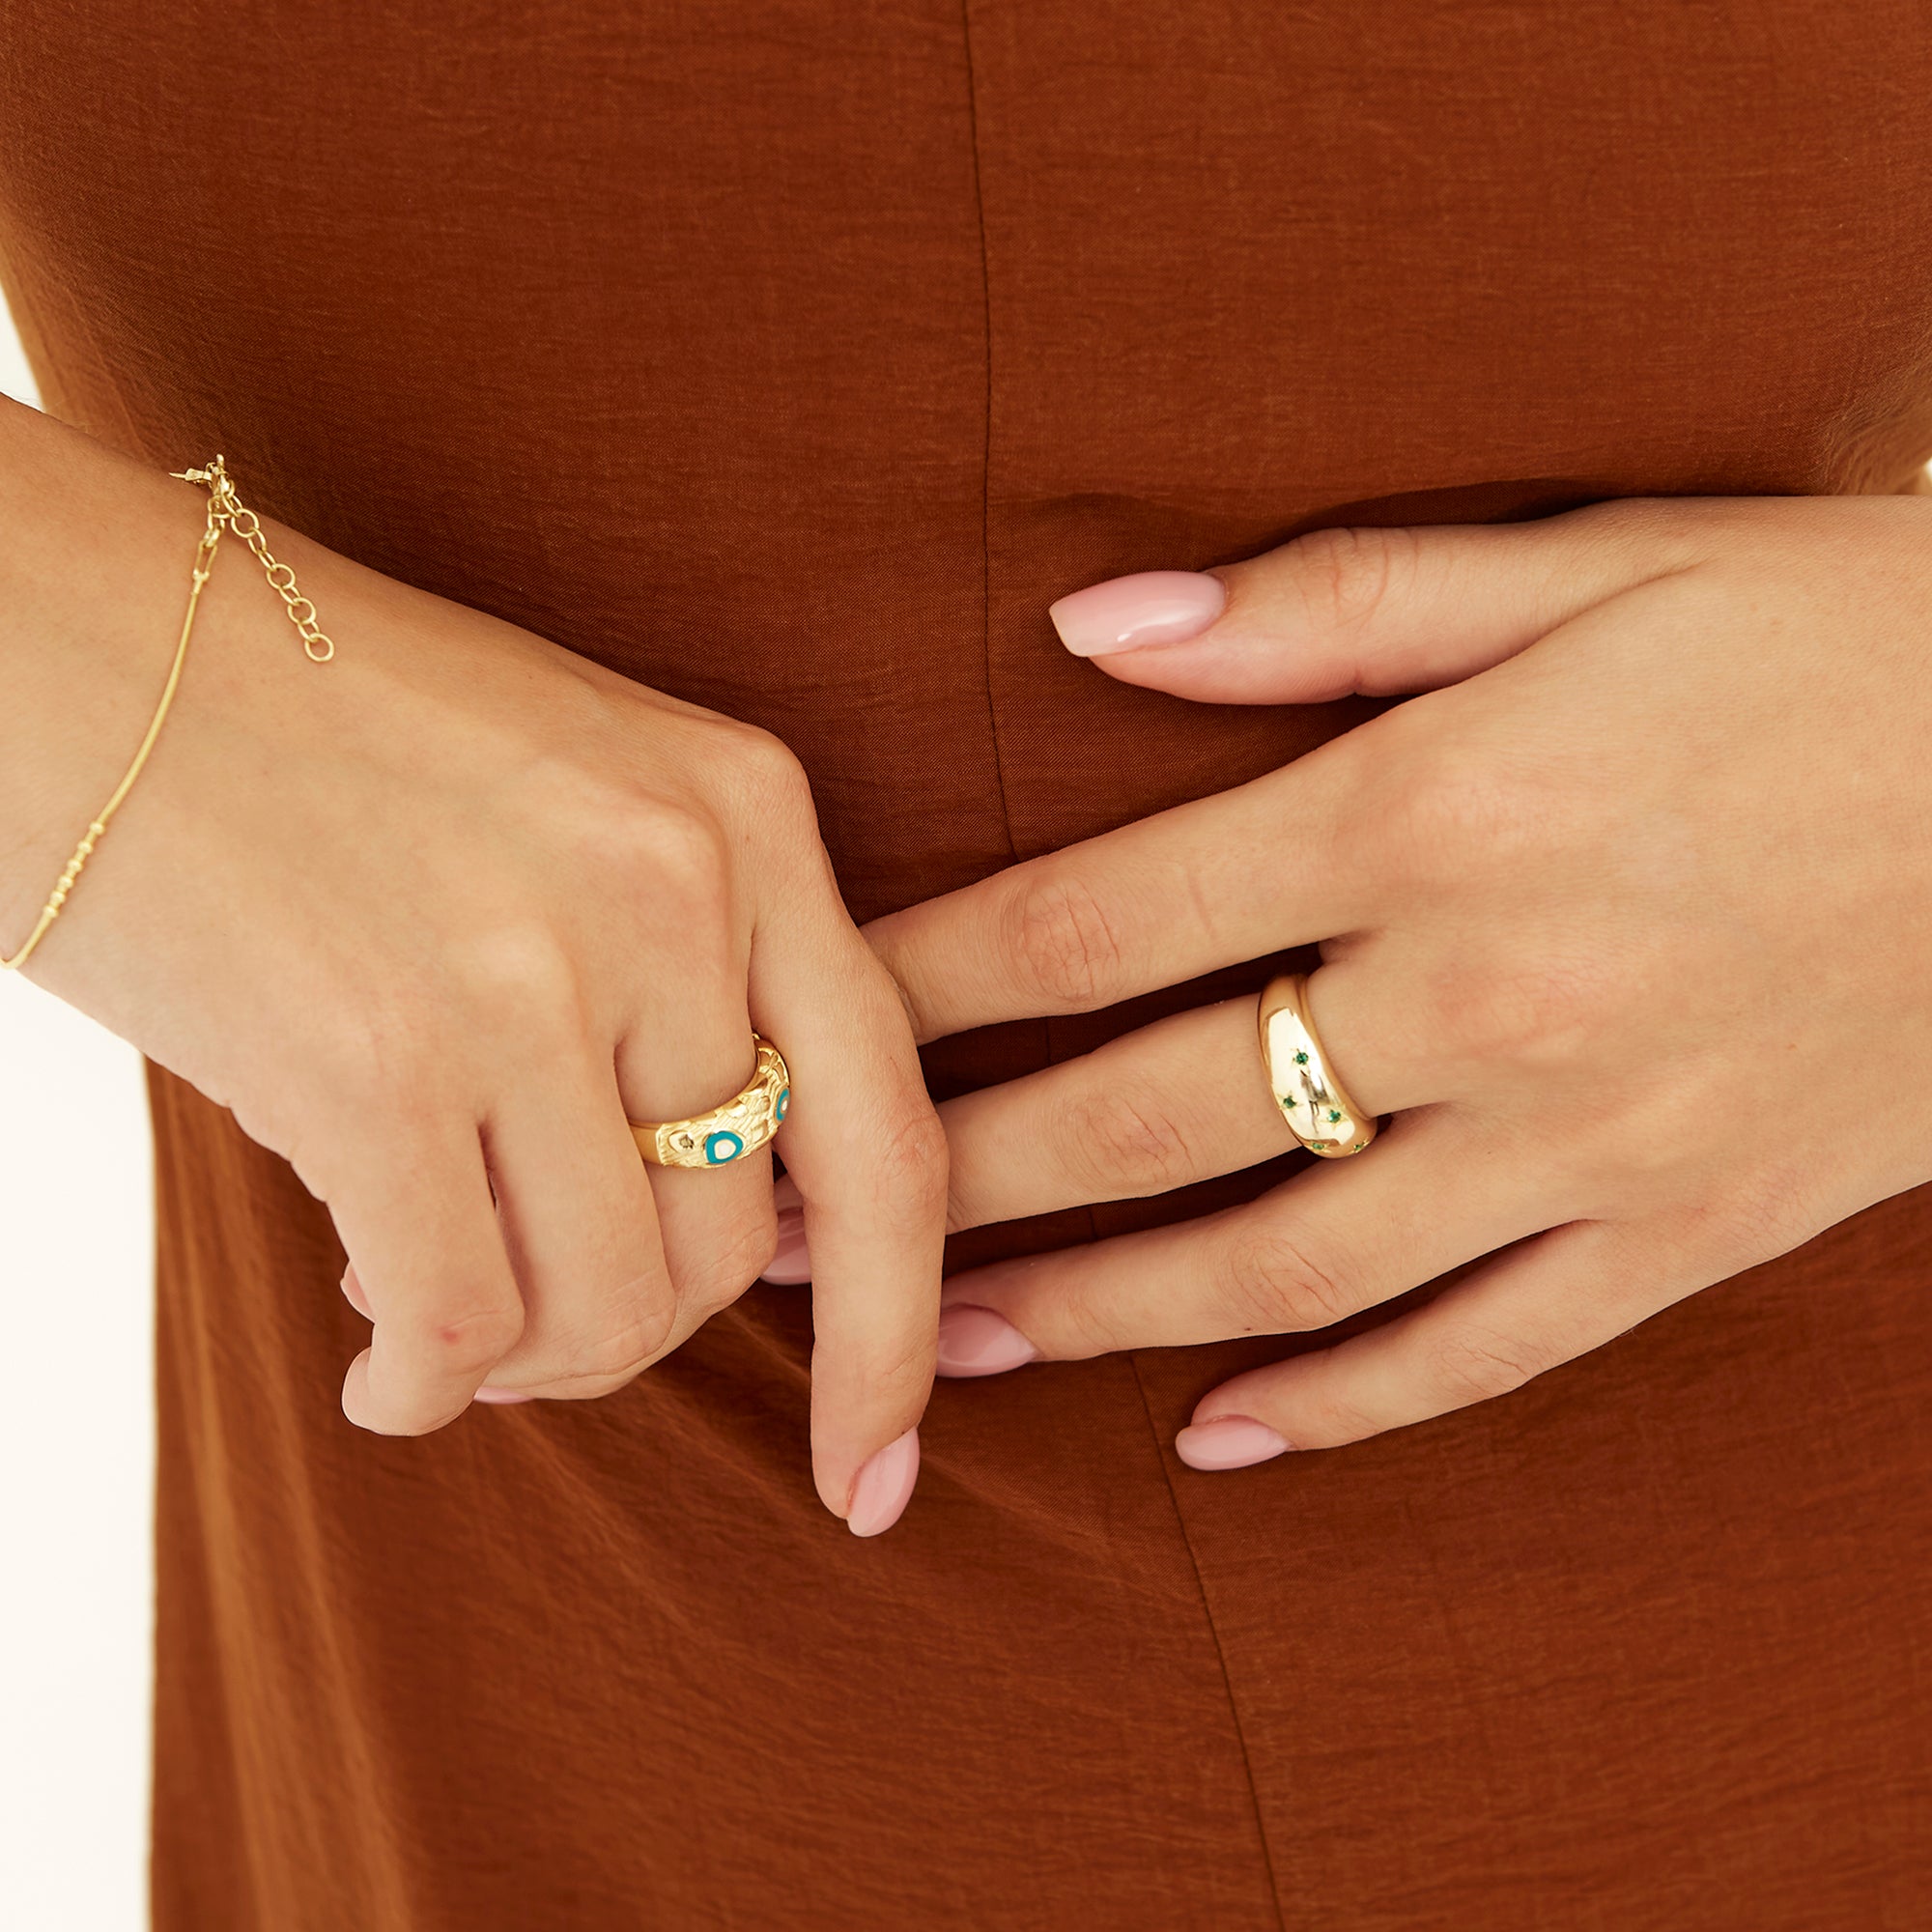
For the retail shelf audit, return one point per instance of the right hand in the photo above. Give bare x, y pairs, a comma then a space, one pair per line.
433, 919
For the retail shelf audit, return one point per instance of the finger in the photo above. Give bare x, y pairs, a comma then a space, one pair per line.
579, 1223
358, 1298
717, 1222
1205, 885
415, 1213
1180, 1100
1370, 610
864, 1147
1437, 1190
1174, 1102
1544, 1303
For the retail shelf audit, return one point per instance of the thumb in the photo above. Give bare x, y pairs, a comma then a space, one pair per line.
1365, 609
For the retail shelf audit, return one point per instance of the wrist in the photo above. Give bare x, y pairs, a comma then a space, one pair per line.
94, 573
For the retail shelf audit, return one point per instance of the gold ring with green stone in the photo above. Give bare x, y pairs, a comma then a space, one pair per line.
1313, 1101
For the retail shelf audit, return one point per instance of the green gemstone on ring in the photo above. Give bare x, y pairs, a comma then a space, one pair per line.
1301, 1060
1334, 1114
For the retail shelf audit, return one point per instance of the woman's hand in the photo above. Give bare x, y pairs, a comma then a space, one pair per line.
1628, 923
433, 919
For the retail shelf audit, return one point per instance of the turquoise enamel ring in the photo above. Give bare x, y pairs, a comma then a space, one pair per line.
739, 1126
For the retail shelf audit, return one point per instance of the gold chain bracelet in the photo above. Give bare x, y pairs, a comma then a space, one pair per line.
224, 512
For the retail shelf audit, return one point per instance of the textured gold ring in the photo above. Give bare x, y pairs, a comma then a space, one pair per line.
740, 1125
1313, 1101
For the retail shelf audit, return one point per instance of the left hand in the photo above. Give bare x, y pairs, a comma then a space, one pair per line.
1626, 922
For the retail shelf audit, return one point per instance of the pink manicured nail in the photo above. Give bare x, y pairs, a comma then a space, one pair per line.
1127, 614
1228, 1442
486, 1394
884, 1486
977, 1341
791, 1261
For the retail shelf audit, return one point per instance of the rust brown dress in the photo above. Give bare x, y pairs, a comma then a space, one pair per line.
858, 332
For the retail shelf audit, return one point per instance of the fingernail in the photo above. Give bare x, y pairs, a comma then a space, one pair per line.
977, 1341
486, 1394
1127, 614
884, 1486
1228, 1442
791, 1261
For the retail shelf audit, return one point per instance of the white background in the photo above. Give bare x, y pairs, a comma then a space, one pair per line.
76, 1455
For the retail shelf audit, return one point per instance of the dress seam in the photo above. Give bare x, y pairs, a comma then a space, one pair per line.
1220, 1650
986, 457
1013, 847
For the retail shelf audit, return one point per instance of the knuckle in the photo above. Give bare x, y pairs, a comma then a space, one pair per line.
910, 1163
1064, 940
886, 1164
766, 775
1334, 1420
1755, 1221
877, 1000
1272, 1285
1529, 1008
1344, 576
366, 1046
1121, 1143
677, 861
466, 1338
516, 971
1474, 1365
622, 1347
898, 1376
1087, 1318
1453, 806
314, 1122
683, 853
312, 1161
603, 1355
1660, 535
728, 1265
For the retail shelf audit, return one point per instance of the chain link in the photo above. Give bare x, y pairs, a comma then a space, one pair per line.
225, 509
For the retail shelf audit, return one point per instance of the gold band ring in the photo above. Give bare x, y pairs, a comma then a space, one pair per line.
1313, 1101
740, 1125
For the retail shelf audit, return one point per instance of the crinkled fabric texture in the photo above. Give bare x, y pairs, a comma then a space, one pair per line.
792, 357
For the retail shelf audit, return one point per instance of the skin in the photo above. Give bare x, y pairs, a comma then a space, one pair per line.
433, 919
1624, 921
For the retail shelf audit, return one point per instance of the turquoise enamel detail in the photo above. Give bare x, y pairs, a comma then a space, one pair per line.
727, 1132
